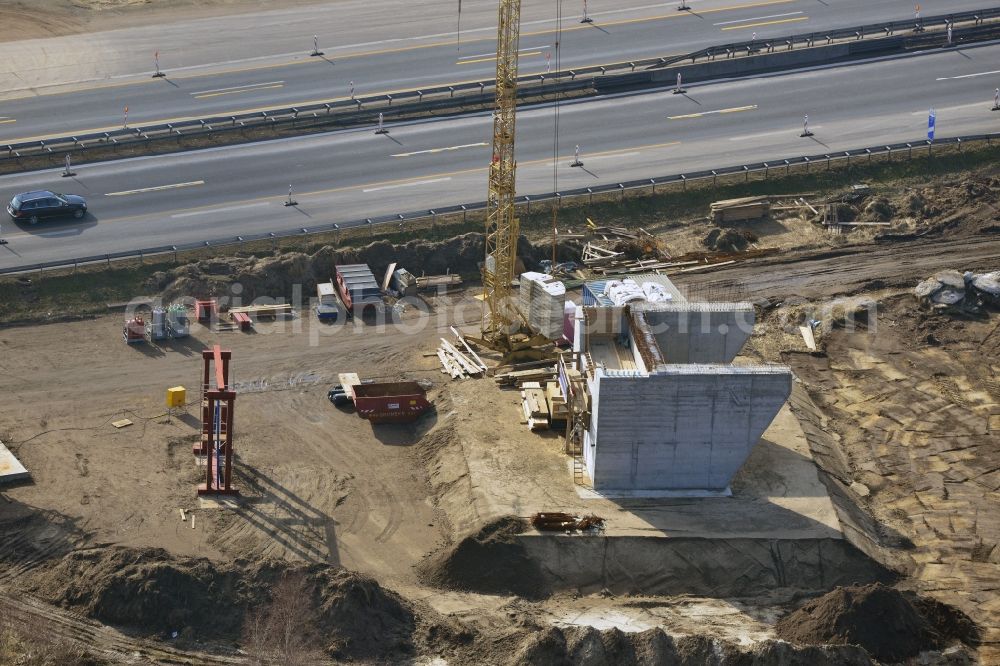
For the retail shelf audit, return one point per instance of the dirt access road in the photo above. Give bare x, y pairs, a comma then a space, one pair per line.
847, 271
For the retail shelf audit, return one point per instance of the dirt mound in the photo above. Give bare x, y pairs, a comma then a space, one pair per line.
729, 240
491, 561
277, 276
150, 590
587, 646
961, 206
880, 619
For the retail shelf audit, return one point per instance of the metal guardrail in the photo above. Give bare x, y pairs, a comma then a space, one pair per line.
524, 200
878, 30
439, 97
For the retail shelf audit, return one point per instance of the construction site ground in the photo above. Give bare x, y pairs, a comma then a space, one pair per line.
883, 466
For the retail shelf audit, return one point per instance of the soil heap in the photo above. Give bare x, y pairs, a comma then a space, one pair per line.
278, 276
150, 590
729, 240
491, 561
890, 625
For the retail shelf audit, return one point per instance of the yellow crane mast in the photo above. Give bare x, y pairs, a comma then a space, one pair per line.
502, 226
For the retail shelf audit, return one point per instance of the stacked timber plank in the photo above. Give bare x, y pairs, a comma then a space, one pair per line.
459, 360
536, 412
519, 377
738, 210
542, 300
555, 402
543, 404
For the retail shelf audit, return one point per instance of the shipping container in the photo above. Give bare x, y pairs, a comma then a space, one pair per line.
358, 288
391, 402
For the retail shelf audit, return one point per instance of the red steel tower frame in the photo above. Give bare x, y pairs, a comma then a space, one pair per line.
217, 404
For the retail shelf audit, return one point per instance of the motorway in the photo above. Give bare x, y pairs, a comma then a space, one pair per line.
243, 63
353, 174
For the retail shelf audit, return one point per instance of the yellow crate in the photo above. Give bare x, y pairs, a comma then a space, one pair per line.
176, 396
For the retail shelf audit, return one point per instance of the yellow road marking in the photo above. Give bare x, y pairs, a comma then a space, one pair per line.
440, 150
157, 188
4, 121
237, 92
757, 25
735, 109
492, 58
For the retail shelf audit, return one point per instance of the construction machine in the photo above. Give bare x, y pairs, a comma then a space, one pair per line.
500, 319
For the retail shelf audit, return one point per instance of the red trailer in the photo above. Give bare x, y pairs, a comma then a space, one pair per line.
390, 402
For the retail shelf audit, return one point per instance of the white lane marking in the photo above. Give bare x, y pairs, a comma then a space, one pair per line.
494, 55
239, 92
441, 150
221, 210
966, 76
246, 87
155, 189
758, 18
585, 159
419, 182
735, 109
791, 132
939, 109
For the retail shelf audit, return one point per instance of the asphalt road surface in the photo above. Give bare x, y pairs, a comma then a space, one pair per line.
349, 175
245, 62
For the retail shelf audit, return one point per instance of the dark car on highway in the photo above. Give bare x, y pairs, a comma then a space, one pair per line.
35, 206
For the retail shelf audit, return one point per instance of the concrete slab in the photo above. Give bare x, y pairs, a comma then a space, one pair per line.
11, 468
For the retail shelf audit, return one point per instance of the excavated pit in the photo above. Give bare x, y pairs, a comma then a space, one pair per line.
778, 534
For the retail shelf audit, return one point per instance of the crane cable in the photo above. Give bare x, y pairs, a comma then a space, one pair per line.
555, 135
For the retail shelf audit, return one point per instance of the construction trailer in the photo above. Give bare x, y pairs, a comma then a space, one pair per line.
217, 419
666, 409
358, 288
328, 305
403, 282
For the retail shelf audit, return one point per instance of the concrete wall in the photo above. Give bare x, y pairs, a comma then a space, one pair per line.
699, 332
685, 427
